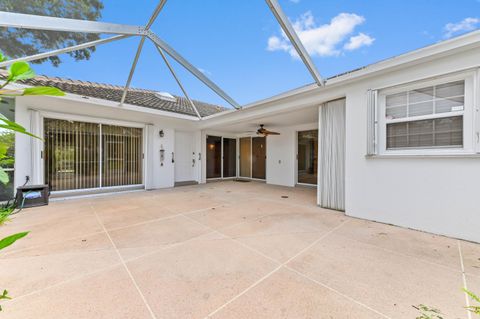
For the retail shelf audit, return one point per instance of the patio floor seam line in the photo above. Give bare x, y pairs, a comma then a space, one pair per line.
307, 277
237, 241
185, 241
275, 270
45, 245
335, 291
464, 278
279, 233
152, 314
401, 254
247, 246
145, 222
106, 268
61, 283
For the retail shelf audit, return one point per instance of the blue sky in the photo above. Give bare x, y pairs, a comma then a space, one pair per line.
238, 44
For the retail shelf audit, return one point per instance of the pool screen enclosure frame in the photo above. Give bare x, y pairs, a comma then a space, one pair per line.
122, 31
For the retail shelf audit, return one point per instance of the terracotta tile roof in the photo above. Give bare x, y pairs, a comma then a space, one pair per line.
138, 97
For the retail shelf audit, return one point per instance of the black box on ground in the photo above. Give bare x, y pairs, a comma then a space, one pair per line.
32, 195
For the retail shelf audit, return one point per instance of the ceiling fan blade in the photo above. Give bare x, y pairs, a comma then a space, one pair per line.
267, 132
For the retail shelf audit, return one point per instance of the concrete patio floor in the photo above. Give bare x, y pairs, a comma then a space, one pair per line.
226, 250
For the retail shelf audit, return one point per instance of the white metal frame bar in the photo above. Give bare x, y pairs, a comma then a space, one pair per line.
155, 14
132, 70
178, 81
29, 21
295, 40
187, 65
64, 50
152, 19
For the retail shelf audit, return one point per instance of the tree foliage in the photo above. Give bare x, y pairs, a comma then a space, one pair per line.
23, 42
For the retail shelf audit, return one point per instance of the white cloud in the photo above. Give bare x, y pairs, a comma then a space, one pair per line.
358, 41
467, 24
323, 40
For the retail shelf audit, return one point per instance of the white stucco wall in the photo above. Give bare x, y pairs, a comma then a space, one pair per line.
434, 194
282, 154
156, 176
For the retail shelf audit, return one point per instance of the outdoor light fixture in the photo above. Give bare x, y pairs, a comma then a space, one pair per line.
161, 133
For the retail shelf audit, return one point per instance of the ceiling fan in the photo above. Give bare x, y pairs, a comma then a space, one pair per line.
263, 131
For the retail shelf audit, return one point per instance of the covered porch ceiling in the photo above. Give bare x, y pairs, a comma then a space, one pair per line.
307, 115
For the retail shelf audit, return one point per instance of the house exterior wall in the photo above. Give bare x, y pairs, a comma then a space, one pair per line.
155, 175
437, 194
282, 154
433, 193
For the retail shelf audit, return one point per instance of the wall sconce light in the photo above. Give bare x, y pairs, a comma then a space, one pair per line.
161, 133
211, 146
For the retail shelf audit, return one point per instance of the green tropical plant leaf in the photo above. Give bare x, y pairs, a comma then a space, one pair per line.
4, 179
3, 150
4, 295
2, 57
43, 90
12, 126
471, 295
20, 71
7, 241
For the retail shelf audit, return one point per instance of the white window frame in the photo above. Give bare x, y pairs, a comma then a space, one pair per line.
469, 114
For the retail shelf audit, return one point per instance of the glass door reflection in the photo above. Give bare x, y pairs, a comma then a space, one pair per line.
307, 157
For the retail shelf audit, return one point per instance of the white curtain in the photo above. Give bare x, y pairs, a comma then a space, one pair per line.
331, 179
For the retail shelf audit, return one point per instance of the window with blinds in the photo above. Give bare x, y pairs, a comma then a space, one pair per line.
79, 155
429, 117
122, 155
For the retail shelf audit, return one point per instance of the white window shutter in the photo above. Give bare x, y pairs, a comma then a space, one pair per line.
372, 122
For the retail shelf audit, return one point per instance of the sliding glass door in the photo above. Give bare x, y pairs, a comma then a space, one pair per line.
221, 157
246, 157
81, 155
122, 155
307, 155
229, 157
214, 157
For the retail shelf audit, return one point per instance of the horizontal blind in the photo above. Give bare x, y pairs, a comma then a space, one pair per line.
440, 132
122, 155
74, 155
71, 154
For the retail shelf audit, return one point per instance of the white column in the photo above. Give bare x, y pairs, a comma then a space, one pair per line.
36, 128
